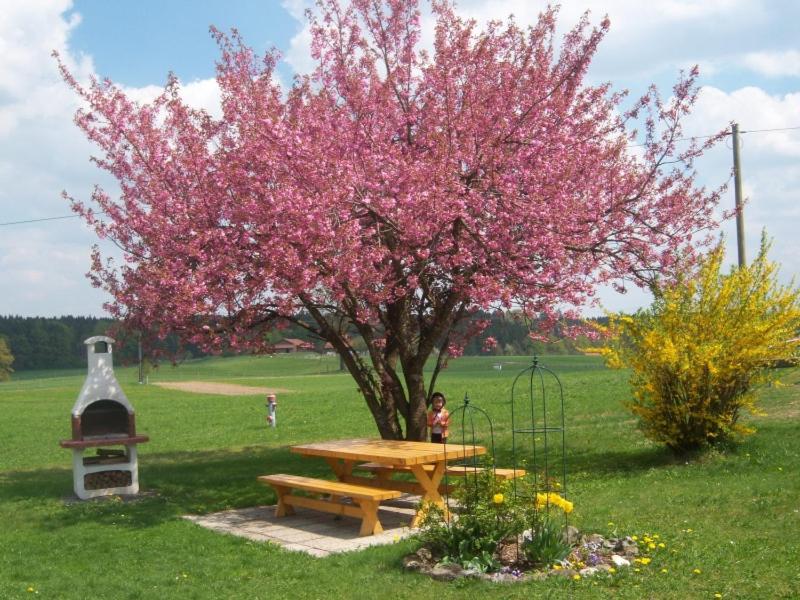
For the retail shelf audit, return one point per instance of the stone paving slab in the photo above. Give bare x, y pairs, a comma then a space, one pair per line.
316, 533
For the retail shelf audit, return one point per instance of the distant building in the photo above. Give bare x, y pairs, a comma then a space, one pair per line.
289, 345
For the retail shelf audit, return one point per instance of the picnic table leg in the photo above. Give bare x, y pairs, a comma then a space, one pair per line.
430, 485
342, 469
370, 525
282, 509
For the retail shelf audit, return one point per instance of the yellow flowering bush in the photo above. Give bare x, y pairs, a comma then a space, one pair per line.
698, 352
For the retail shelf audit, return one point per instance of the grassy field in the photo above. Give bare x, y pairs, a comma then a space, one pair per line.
734, 515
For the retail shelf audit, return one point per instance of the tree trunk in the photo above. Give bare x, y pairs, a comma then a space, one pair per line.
417, 421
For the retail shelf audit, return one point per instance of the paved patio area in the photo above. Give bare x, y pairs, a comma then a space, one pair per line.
316, 533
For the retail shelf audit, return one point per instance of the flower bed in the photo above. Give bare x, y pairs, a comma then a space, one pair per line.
510, 531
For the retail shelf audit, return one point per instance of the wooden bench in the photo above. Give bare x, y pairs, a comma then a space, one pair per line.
366, 499
452, 470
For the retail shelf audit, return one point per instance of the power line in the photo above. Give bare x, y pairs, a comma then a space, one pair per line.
39, 220
705, 137
775, 129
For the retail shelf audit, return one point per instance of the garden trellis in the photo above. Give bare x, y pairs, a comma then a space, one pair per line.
535, 427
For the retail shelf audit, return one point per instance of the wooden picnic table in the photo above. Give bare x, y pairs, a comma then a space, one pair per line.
344, 455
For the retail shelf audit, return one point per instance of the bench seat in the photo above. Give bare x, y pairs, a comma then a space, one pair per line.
451, 470
366, 499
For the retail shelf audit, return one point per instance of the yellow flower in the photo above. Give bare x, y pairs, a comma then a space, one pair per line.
645, 561
651, 546
664, 571
696, 571
497, 498
717, 595
30, 589
557, 567
637, 570
662, 545
612, 570
634, 537
576, 577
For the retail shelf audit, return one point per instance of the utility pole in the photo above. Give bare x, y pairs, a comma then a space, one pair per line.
737, 188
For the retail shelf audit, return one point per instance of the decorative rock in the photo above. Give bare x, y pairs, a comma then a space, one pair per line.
447, 572
508, 552
595, 538
501, 577
571, 535
421, 560
425, 555
471, 573
619, 561
412, 563
588, 571
627, 547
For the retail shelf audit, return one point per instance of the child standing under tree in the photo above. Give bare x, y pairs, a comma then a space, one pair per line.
438, 418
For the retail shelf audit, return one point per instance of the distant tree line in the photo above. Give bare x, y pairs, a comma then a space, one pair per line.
57, 343
50, 343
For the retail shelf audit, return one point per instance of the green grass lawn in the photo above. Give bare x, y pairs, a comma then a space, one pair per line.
734, 515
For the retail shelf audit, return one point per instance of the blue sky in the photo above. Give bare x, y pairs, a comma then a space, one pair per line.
748, 52
137, 43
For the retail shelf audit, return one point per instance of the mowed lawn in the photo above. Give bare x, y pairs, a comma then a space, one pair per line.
729, 520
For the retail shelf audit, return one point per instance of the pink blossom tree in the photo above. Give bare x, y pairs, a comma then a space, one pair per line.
391, 192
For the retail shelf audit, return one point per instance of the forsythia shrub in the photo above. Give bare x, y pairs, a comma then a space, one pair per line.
699, 350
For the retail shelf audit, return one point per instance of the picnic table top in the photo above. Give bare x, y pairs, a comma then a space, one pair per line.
389, 452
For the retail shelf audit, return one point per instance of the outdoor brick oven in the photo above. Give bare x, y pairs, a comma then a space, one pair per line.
103, 421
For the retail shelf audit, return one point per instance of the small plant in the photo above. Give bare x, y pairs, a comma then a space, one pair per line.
544, 543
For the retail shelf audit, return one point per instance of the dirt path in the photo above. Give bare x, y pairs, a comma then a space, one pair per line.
222, 389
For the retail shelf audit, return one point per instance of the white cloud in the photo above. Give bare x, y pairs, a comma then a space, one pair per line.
298, 55
199, 94
774, 64
203, 94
